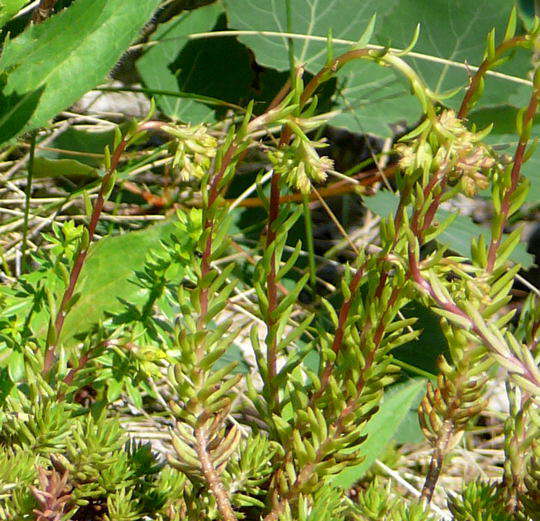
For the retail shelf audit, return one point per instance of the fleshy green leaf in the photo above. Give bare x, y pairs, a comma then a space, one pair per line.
217, 69
457, 236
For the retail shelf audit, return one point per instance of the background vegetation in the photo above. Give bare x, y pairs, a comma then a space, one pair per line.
269, 260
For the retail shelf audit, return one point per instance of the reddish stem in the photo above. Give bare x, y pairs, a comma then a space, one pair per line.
453, 308
50, 353
514, 181
272, 289
351, 405
320, 77
68, 380
209, 228
81, 256
482, 70
340, 332
279, 97
271, 234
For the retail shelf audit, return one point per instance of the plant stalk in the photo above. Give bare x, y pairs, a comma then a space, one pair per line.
515, 176
27, 197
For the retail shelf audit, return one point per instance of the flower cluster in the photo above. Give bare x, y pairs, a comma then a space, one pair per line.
469, 159
194, 150
300, 163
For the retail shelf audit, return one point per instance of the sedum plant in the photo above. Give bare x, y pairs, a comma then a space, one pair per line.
272, 439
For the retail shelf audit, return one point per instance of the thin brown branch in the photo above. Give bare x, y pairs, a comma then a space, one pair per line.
435, 465
43, 11
212, 478
271, 284
278, 98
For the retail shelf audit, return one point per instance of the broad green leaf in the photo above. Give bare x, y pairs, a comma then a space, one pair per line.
86, 145
233, 354
218, 69
16, 111
9, 8
457, 237
108, 279
455, 30
68, 54
373, 100
419, 357
381, 429
154, 65
343, 18
409, 430
70, 168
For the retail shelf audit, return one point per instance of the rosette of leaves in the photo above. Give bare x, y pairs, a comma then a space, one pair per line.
249, 471
97, 459
41, 426
478, 501
380, 501
17, 473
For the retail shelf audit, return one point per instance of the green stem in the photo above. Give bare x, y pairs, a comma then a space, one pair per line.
27, 196
290, 42
413, 369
